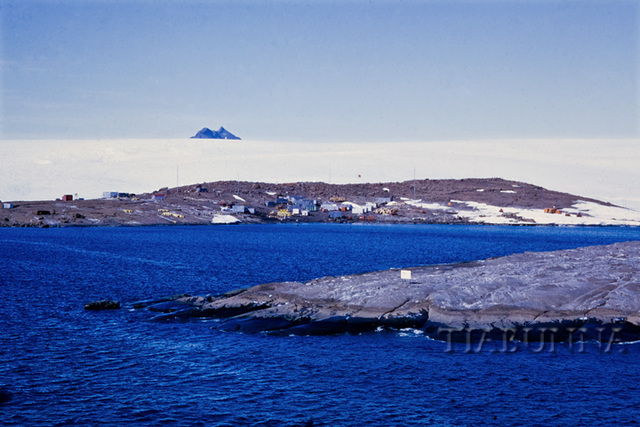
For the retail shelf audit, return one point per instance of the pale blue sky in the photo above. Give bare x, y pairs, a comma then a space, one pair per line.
320, 70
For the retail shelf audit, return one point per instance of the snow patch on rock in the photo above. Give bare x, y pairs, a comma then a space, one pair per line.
591, 214
224, 219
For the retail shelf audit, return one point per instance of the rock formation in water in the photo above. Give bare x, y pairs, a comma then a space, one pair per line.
103, 305
573, 294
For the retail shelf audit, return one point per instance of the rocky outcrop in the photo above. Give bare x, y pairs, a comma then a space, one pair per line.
412, 202
102, 305
585, 293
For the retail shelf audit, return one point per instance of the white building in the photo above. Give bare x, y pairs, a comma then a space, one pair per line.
357, 209
329, 206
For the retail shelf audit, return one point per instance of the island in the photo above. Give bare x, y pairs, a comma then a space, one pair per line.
426, 201
589, 293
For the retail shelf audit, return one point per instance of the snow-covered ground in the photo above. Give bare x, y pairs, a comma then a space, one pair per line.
590, 214
46, 169
224, 219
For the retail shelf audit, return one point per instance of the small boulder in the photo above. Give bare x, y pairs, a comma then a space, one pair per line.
102, 305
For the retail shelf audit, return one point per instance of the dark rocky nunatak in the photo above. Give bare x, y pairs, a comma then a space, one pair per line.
222, 133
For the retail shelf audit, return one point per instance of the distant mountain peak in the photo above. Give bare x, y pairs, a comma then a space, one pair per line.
222, 133
204, 133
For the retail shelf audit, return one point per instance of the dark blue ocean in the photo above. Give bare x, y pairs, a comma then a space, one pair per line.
67, 366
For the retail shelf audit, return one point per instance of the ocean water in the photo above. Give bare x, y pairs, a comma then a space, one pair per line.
67, 366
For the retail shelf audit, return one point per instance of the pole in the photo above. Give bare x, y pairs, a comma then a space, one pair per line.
414, 183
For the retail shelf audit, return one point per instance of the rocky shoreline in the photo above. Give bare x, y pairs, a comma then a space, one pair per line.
590, 293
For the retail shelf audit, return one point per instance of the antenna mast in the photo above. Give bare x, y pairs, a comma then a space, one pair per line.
414, 183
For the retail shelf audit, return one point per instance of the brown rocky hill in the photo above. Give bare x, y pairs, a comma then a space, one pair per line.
491, 200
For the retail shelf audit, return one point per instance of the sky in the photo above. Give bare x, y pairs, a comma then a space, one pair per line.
103, 95
323, 70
